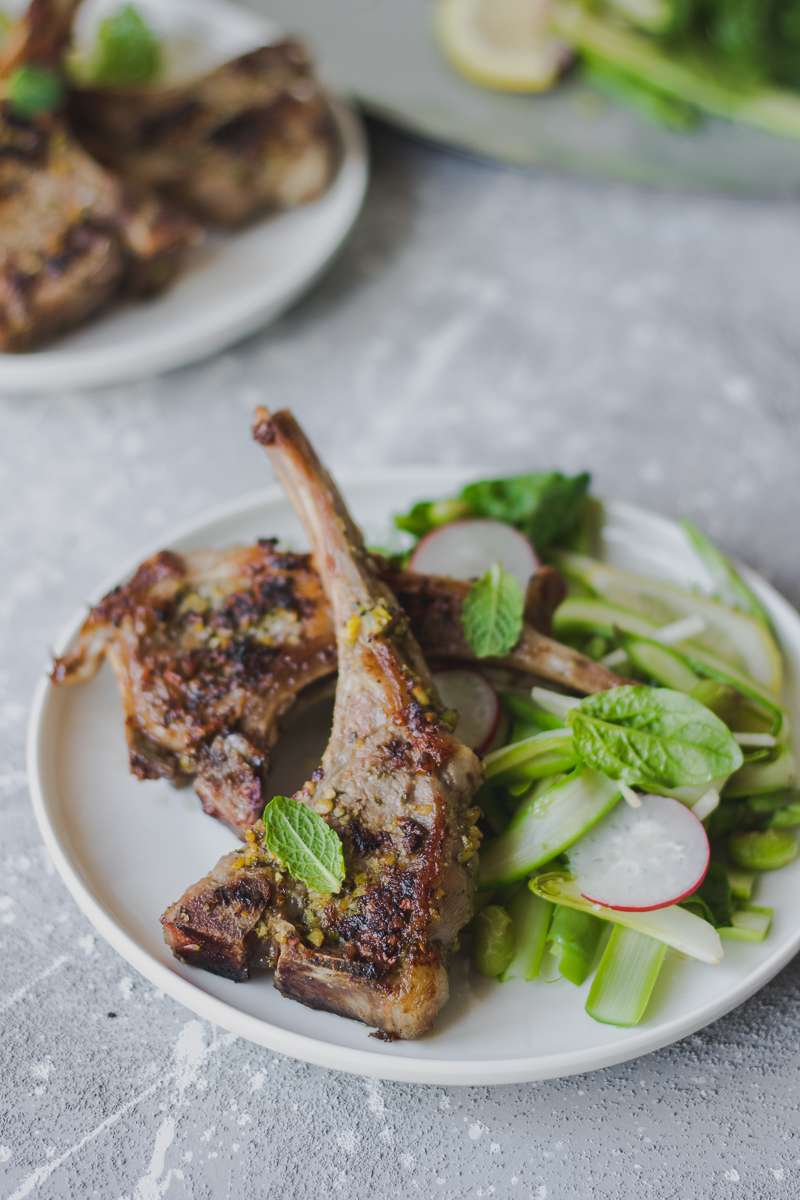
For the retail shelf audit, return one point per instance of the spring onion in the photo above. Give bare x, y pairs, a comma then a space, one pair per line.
674, 926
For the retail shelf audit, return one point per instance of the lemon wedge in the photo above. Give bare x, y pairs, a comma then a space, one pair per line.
506, 45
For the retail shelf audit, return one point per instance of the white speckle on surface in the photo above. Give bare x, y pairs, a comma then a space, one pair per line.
778, 1174
257, 1081
476, 1130
42, 1070
494, 1147
5, 1154
732, 1175
346, 1140
87, 943
375, 1102
407, 1161
125, 986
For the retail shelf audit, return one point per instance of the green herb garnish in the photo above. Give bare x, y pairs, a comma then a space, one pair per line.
305, 844
544, 505
492, 613
127, 51
32, 90
653, 738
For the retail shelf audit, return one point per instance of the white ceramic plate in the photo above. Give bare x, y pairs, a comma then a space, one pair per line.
127, 849
235, 282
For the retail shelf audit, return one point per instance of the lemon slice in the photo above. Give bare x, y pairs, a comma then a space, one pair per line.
506, 45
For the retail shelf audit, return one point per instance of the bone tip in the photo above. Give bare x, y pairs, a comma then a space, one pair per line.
264, 431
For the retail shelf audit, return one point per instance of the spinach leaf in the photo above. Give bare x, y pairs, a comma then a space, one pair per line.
492, 613
653, 738
305, 844
544, 505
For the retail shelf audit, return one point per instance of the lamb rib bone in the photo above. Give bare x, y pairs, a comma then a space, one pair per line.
394, 782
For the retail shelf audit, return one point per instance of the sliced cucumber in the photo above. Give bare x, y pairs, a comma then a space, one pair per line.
598, 616
760, 778
735, 637
535, 757
545, 825
661, 664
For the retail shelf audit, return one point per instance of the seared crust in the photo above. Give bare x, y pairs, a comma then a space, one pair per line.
395, 784
71, 236
212, 648
254, 135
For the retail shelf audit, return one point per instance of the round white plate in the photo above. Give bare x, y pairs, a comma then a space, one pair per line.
127, 849
234, 283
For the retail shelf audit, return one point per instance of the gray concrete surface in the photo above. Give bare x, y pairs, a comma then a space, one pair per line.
476, 313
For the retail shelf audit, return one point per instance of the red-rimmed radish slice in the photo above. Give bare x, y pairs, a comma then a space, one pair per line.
467, 549
475, 701
638, 859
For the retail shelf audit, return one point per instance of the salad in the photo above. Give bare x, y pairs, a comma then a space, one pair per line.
630, 825
673, 60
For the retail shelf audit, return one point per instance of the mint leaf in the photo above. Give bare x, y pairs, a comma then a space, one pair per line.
33, 90
305, 844
492, 613
127, 51
653, 738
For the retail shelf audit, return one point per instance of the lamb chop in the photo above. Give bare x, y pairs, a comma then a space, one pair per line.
394, 783
256, 134
211, 648
71, 236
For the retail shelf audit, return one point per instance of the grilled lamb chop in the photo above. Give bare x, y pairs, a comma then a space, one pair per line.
70, 235
254, 135
394, 783
213, 647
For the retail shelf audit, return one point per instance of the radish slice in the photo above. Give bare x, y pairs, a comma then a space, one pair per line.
467, 549
638, 859
475, 701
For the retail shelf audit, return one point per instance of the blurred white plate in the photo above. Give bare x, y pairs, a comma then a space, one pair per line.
126, 850
234, 283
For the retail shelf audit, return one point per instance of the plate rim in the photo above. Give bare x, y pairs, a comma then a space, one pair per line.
317, 1051
45, 372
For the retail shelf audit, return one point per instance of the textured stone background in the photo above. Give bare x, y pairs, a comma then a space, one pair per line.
476, 313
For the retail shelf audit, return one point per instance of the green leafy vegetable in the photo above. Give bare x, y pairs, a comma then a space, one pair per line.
127, 51
305, 844
544, 505
492, 613
735, 59
715, 893
32, 90
653, 737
